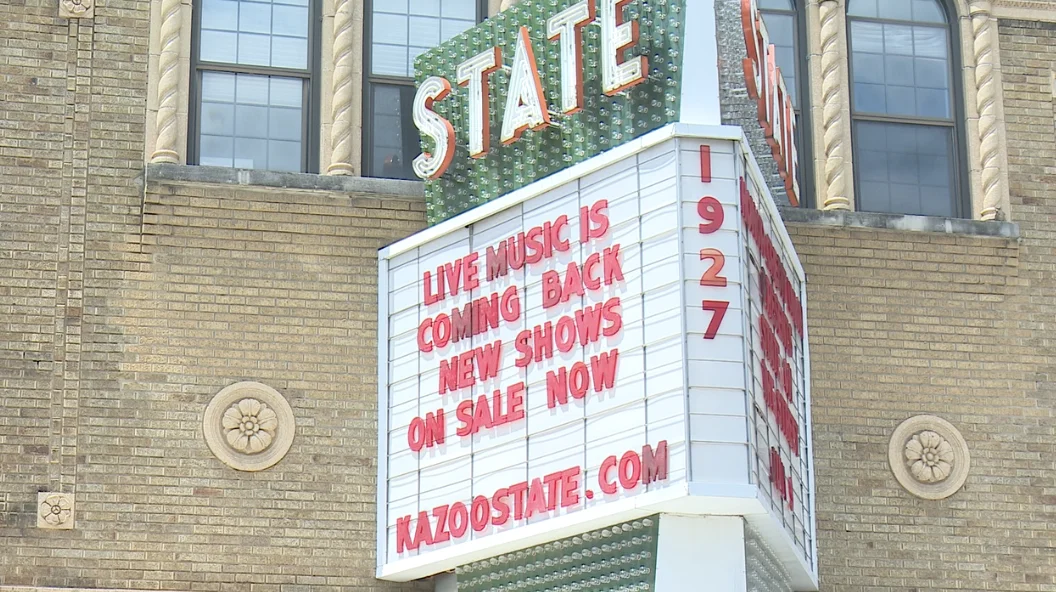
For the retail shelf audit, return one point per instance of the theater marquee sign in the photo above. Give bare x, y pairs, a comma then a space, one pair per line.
623, 338
617, 329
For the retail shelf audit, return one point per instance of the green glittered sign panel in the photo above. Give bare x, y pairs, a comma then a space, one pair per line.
605, 122
620, 558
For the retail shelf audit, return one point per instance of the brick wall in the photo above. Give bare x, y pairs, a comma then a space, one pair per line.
125, 307
907, 323
32, 109
230, 285
123, 310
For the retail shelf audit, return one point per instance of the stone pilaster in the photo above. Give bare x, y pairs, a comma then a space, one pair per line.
835, 115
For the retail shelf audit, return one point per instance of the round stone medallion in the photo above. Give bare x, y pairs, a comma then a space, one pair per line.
249, 426
929, 457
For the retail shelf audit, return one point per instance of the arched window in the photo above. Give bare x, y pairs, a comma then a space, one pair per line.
904, 108
787, 32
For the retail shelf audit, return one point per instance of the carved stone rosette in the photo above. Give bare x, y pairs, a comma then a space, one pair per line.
929, 457
55, 510
343, 87
72, 9
165, 148
249, 426
985, 100
831, 15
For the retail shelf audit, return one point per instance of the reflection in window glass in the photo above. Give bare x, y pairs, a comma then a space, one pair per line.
900, 70
922, 11
902, 106
253, 75
782, 29
402, 30
392, 149
905, 168
260, 33
251, 122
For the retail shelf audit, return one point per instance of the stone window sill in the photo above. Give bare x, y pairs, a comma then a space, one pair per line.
901, 222
288, 181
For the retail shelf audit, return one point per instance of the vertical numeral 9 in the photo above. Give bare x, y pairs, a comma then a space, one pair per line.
710, 211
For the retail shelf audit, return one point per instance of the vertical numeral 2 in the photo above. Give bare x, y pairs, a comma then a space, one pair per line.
711, 276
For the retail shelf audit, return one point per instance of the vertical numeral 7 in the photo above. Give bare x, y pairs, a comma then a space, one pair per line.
718, 308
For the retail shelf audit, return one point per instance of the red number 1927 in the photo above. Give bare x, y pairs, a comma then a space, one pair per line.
711, 218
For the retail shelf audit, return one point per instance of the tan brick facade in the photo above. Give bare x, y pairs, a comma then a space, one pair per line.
129, 297
125, 306
217, 285
905, 323
902, 324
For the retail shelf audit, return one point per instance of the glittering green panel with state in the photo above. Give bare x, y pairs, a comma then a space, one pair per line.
620, 558
604, 123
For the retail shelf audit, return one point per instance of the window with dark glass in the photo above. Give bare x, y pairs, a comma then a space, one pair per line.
398, 31
904, 108
254, 84
786, 30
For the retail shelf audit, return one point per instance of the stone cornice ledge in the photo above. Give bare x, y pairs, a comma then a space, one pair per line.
902, 223
392, 188
1029, 10
48, 589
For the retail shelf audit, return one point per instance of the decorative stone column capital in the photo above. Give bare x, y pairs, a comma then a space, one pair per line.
980, 7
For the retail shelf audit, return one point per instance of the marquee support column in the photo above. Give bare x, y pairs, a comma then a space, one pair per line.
695, 549
986, 97
167, 132
835, 111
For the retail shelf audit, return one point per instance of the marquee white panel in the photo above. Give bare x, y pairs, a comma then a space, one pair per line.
689, 388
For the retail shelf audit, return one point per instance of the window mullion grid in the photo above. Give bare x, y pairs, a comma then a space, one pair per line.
372, 81
879, 118
253, 70
307, 76
949, 123
881, 21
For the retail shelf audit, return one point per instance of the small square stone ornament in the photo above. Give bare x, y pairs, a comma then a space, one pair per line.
55, 510
77, 8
